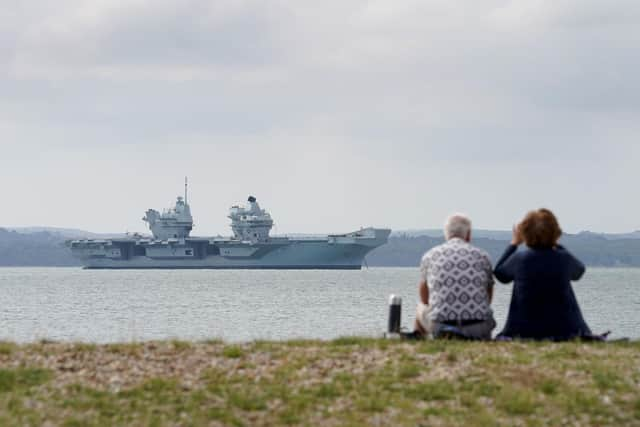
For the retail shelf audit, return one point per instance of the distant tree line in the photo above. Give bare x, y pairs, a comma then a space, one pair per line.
406, 251
34, 249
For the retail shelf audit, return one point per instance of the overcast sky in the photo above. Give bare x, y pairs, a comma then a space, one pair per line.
335, 114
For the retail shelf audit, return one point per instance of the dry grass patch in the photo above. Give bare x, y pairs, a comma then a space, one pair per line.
349, 381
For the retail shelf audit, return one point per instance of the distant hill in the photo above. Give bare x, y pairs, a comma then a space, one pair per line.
608, 236
506, 234
40, 248
438, 234
44, 246
67, 233
593, 249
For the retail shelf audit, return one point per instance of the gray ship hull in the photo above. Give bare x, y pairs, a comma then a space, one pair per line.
336, 252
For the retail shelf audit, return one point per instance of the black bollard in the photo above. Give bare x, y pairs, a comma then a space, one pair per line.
395, 314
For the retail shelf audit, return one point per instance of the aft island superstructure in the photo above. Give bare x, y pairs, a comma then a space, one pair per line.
250, 247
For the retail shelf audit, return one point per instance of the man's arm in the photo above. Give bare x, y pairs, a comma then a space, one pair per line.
489, 272
423, 290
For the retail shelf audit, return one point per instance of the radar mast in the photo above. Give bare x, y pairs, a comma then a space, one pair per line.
185, 190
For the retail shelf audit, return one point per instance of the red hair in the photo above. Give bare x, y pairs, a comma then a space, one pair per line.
540, 229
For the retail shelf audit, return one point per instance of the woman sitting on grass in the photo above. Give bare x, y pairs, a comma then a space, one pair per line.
543, 305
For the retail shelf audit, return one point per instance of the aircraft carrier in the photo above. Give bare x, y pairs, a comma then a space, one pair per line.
250, 247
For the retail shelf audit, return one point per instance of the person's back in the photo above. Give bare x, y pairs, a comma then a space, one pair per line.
456, 285
543, 305
458, 275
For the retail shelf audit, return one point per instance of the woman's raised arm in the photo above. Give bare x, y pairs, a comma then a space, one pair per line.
505, 268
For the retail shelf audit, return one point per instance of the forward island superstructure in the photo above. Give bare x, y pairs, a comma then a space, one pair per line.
250, 247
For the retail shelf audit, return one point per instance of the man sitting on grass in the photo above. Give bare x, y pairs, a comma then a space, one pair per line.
456, 286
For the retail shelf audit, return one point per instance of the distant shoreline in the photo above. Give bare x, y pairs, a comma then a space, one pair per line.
404, 249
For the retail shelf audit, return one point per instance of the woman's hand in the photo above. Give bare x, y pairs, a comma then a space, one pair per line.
516, 239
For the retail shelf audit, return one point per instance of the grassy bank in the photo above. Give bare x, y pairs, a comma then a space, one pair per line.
349, 381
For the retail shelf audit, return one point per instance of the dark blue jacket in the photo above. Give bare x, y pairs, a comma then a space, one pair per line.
543, 305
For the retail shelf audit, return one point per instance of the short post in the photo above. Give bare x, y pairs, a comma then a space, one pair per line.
395, 314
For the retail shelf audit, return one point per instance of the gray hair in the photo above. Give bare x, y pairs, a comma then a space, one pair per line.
457, 225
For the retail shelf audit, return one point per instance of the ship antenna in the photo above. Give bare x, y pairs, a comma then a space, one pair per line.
185, 190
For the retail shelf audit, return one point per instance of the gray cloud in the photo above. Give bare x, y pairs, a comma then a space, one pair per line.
339, 114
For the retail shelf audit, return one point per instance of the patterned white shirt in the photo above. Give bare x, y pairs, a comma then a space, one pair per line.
459, 276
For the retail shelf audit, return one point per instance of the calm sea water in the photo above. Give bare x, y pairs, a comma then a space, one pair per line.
70, 304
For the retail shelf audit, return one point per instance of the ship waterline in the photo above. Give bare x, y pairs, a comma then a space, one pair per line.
250, 247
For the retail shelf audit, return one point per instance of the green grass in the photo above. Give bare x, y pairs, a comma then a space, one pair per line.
181, 345
20, 378
431, 391
549, 387
350, 341
7, 348
84, 347
232, 351
515, 401
432, 347
126, 349
607, 379
349, 381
